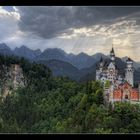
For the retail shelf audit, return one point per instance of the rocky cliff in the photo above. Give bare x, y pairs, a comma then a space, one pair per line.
11, 78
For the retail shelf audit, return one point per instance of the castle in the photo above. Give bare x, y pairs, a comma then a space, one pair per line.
117, 87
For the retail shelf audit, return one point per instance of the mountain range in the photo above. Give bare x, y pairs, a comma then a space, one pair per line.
23, 51
79, 67
82, 60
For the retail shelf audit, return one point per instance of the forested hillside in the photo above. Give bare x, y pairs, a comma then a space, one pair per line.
48, 104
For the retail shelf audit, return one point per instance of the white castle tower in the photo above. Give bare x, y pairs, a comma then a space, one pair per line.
129, 72
111, 74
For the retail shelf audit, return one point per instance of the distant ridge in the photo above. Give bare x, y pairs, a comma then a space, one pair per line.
24, 51
80, 67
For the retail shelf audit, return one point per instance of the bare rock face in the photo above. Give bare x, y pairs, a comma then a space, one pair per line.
12, 79
16, 76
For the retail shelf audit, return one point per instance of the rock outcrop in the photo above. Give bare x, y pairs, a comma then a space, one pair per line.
12, 79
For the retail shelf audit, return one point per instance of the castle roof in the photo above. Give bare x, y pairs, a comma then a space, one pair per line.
107, 62
129, 59
112, 51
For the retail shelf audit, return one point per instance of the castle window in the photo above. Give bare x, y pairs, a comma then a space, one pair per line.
126, 96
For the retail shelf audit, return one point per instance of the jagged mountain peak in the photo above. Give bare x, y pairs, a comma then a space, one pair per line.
82, 54
24, 47
26, 52
5, 50
55, 50
37, 50
97, 56
4, 46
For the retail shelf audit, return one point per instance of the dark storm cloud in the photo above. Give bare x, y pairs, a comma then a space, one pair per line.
50, 21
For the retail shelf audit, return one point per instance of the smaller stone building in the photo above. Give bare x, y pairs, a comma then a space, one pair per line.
122, 93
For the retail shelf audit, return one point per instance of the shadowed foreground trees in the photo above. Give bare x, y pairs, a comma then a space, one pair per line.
50, 104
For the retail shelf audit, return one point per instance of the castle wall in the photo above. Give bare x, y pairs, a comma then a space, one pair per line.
134, 96
117, 94
129, 78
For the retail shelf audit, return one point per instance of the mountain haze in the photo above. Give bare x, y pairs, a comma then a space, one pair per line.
78, 67
61, 68
24, 51
5, 50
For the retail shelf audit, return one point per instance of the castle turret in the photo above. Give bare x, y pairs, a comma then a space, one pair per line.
129, 72
112, 55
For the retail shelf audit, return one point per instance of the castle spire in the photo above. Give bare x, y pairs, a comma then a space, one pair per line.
112, 54
112, 51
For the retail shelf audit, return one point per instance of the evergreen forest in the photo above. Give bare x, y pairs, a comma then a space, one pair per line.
48, 104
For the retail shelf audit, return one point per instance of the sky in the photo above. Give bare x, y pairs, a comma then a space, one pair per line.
75, 29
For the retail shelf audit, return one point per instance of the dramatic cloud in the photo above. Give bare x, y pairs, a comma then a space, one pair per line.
8, 23
52, 21
73, 28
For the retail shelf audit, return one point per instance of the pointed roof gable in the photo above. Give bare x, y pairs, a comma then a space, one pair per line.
126, 85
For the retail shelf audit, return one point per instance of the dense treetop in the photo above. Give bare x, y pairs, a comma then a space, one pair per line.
49, 104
